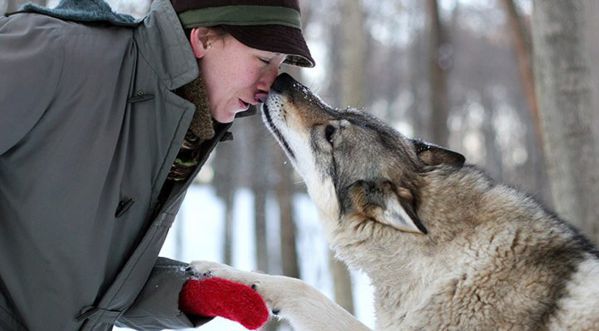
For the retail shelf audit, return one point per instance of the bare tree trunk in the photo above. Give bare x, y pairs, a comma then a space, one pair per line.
3, 6
260, 166
417, 69
493, 155
352, 57
284, 189
521, 39
12, 5
227, 243
562, 72
225, 185
522, 47
439, 56
592, 12
260, 232
335, 73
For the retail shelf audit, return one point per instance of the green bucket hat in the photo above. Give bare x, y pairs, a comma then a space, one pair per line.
269, 25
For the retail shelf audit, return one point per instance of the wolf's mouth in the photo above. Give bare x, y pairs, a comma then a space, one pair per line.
276, 131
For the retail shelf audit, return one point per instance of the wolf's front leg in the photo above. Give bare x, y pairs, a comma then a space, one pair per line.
291, 299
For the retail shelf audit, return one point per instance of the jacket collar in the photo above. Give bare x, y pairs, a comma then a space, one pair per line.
163, 43
202, 125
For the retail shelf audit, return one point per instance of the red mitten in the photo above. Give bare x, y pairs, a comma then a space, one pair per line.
215, 296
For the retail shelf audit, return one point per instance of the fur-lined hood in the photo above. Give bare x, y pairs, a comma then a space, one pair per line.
83, 11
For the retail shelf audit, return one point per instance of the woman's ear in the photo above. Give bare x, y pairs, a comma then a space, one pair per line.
199, 41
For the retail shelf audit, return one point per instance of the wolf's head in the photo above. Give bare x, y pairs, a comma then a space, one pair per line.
427, 230
352, 163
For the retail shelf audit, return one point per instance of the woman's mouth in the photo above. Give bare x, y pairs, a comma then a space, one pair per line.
244, 105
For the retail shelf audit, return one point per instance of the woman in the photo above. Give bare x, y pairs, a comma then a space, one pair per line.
104, 122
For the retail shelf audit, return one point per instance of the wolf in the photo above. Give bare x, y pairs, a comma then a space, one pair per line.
445, 247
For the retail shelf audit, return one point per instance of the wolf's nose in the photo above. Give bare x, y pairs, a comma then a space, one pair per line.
283, 82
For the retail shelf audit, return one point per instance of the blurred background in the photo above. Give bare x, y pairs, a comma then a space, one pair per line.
511, 84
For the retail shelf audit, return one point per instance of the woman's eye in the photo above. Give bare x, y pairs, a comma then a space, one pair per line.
329, 131
265, 61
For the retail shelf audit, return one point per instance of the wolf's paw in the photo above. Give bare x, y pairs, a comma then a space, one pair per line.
208, 269
267, 286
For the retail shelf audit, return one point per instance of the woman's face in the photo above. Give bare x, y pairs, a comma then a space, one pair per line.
236, 75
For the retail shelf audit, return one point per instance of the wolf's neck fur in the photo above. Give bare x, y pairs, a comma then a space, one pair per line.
443, 212
415, 272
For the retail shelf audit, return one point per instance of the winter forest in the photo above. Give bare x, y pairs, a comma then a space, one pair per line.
511, 84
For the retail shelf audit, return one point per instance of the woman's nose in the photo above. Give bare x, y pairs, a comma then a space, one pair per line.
268, 77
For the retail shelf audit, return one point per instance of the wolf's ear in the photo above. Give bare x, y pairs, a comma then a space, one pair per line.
386, 203
432, 154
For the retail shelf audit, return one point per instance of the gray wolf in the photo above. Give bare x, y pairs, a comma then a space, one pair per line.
446, 248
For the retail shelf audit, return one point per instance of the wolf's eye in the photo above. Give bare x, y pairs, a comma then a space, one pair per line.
329, 131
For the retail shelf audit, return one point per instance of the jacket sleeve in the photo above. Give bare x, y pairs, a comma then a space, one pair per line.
31, 61
157, 306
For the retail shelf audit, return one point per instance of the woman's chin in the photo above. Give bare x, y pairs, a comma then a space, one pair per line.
226, 117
